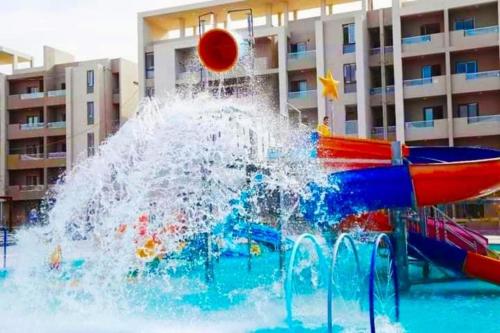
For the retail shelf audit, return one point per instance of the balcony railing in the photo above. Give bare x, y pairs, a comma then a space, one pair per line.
349, 48
376, 50
31, 157
483, 119
57, 124
418, 82
420, 124
378, 131
56, 155
34, 95
31, 188
302, 54
301, 94
416, 39
378, 90
31, 126
351, 127
481, 75
481, 31
56, 93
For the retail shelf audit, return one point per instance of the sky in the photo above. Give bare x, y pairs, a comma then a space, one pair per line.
88, 29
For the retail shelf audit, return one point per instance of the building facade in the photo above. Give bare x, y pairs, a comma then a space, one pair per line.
54, 115
423, 72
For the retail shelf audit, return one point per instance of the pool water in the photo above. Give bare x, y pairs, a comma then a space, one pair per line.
239, 300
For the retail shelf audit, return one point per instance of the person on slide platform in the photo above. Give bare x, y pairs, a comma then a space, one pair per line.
323, 129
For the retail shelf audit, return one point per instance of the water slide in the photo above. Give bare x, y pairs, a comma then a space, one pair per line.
429, 176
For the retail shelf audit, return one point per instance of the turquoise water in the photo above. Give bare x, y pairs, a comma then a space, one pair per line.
495, 247
460, 306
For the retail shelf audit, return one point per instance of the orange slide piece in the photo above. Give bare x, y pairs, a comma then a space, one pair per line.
452, 182
355, 148
482, 267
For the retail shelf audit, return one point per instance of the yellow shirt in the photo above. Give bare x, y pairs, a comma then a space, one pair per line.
324, 130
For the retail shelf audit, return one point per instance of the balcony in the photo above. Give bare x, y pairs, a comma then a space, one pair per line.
34, 161
378, 132
424, 44
376, 95
36, 99
426, 130
351, 127
302, 60
475, 82
425, 87
34, 130
374, 56
474, 38
26, 192
476, 126
305, 99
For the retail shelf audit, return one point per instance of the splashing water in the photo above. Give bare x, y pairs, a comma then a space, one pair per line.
166, 177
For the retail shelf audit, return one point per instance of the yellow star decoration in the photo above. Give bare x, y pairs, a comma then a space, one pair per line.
330, 86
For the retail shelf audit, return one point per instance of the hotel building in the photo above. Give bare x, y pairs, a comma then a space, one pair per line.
424, 72
53, 115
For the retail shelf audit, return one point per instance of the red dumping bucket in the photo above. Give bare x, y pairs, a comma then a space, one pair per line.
218, 50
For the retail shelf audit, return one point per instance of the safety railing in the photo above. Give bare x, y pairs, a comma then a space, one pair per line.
30, 188
301, 94
33, 95
420, 124
416, 39
418, 82
481, 31
31, 126
484, 119
377, 50
56, 155
57, 124
482, 75
378, 90
302, 54
31, 157
56, 93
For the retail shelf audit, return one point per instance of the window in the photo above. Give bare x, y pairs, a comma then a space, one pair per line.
466, 67
464, 24
63, 86
470, 110
300, 85
430, 28
150, 91
298, 47
90, 82
90, 144
32, 180
348, 32
433, 112
32, 120
349, 78
430, 71
32, 149
149, 65
90, 113
32, 90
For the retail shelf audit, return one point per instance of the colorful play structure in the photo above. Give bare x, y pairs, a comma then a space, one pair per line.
382, 175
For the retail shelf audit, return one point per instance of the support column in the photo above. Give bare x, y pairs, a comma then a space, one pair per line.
400, 232
285, 15
398, 72
182, 28
14, 62
323, 8
320, 67
362, 76
383, 73
449, 103
269, 15
282, 71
